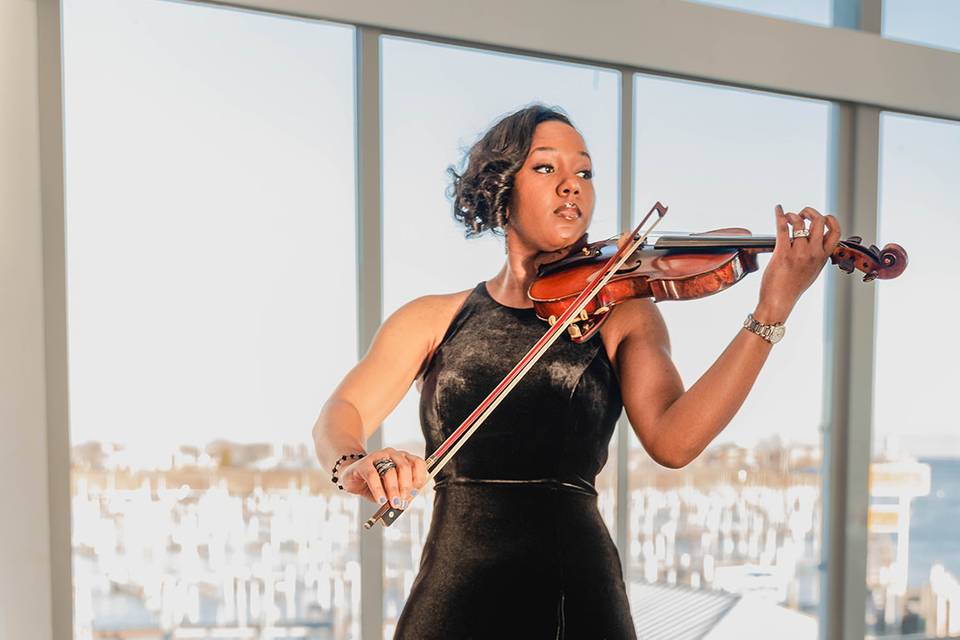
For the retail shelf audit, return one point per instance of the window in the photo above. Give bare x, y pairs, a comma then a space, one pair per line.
209, 163
913, 560
812, 11
927, 22
433, 111
745, 517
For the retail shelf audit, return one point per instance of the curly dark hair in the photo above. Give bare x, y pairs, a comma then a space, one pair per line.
483, 191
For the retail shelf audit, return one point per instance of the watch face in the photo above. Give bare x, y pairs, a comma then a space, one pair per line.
776, 333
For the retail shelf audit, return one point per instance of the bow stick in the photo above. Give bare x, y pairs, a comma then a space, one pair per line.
459, 437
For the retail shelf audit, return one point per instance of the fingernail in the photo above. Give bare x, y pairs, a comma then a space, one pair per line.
413, 492
396, 502
382, 499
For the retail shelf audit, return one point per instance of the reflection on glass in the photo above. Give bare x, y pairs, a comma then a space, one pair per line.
812, 11
928, 22
739, 528
433, 112
913, 561
208, 156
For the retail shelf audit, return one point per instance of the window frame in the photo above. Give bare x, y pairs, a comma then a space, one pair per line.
849, 64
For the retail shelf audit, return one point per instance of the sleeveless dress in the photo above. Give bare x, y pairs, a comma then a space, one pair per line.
517, 547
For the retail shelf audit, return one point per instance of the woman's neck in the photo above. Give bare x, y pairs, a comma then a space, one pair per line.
510, 285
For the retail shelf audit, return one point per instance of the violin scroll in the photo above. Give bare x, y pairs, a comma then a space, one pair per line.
875, 263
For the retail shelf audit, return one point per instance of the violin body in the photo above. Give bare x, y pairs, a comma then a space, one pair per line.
679, 267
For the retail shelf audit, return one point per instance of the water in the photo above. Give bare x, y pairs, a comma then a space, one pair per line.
935, 523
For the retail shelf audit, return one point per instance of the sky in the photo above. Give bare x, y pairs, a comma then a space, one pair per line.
211, 216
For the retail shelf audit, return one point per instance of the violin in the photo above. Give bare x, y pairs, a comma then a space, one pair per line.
577, 292
679, 266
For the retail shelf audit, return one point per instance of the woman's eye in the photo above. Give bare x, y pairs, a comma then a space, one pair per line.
547, 168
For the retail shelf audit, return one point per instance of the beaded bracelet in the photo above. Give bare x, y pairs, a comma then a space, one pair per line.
336, 466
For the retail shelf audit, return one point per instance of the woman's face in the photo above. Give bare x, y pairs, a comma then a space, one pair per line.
553, 196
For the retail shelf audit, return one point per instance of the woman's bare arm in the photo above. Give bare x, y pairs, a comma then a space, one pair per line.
674, 425
374, 387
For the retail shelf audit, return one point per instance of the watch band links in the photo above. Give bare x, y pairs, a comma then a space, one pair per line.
769, 332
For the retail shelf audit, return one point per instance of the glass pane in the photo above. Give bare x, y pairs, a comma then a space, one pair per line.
208, 157
744, 519
913, 562
929, 22
432, 112
812, 11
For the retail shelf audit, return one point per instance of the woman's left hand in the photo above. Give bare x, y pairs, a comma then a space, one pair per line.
796, 262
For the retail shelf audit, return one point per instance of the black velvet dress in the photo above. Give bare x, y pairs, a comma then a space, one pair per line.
517, 547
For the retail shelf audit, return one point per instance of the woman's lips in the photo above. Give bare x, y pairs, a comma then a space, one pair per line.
568, 213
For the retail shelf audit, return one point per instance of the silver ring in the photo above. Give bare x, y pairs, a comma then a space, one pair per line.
802, 233
383, 465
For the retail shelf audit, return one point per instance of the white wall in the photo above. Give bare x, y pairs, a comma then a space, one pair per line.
25, 607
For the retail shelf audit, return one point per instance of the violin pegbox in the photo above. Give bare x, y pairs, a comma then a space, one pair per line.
875, 263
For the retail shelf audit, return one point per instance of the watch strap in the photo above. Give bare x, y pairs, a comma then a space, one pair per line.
769, 332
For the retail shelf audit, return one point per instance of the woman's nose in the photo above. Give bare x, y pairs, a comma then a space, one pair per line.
569, 186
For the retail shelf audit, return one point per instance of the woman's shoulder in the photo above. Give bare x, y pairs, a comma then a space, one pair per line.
631, 318
436, 305
430, 316
432, 313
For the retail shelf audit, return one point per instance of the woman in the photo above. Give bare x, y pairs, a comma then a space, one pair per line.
517, 547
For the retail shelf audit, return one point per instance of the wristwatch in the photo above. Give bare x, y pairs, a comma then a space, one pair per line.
769, 332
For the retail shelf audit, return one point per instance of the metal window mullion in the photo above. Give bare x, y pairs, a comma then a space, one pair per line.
861, 332
369, 290
849, 375
625, 153
52, 213
848, 366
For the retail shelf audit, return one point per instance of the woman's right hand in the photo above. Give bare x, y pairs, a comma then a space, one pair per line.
398, 485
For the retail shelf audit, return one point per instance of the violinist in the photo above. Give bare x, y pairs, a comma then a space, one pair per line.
517, 546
